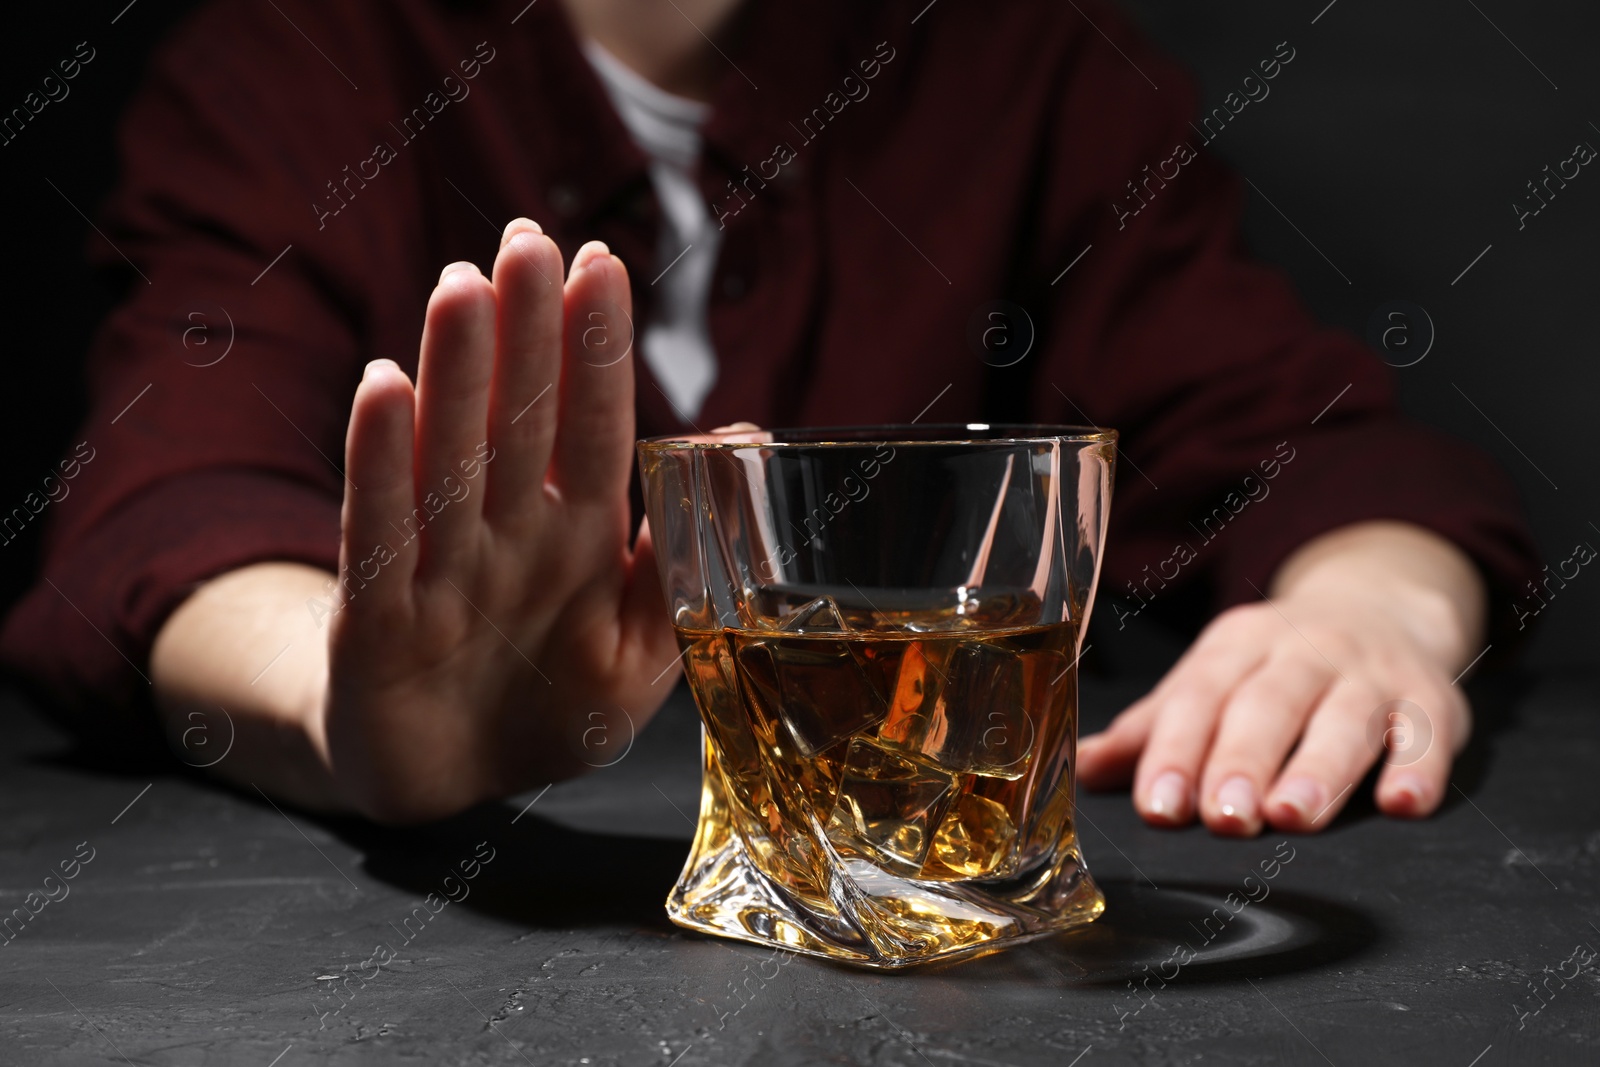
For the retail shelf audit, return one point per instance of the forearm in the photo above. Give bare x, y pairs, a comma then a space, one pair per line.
246, 643
1425, 581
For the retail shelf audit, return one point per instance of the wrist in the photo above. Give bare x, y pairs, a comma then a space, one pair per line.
245, 653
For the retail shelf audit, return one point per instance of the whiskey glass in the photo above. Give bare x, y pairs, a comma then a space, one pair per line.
881, 626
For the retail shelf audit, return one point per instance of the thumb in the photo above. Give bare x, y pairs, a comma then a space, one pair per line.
1107, 760
646, 627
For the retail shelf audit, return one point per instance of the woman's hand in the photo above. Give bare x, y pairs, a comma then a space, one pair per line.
1282, 706
495, 627
483, 650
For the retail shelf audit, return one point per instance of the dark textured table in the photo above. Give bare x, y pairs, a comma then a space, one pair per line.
205, 926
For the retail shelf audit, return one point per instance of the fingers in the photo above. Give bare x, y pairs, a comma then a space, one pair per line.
1107, 760
1354, 727
735, 433
1334, 755
739, 433
1251, 691
524, 396
644, 606
1188, 703
1260, 723
378, 459
1421, 742
453, 378
594, 444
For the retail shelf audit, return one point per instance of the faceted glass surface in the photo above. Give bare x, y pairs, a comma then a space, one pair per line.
881, 628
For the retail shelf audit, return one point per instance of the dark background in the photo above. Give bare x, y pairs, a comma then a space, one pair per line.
1391, 148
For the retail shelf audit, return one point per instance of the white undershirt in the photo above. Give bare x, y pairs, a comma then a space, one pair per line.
676, 342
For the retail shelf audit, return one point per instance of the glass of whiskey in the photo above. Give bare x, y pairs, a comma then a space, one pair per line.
881, 627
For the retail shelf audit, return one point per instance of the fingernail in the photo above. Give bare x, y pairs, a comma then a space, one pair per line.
1237, 799
516, 226
590, 250
1409, 791
1305, 795
462, 264
375, 365
1169, 796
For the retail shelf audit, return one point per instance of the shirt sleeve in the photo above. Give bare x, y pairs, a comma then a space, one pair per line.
1247, 428
220, 385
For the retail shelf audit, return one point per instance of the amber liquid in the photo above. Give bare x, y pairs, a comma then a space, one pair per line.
933, 746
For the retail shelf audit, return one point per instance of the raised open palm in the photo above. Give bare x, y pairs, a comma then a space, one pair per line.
493, 614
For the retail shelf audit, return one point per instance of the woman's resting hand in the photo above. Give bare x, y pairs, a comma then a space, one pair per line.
1281, 707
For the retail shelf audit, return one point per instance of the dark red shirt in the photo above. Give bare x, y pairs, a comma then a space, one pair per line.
295, 174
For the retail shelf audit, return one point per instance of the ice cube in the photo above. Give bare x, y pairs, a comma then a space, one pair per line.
973, 839
974, 710
821, 689
820, 615
888, 807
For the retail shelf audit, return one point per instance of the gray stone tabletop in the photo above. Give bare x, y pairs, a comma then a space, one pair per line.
173, 921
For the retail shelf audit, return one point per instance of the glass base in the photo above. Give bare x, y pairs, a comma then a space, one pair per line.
866, 916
